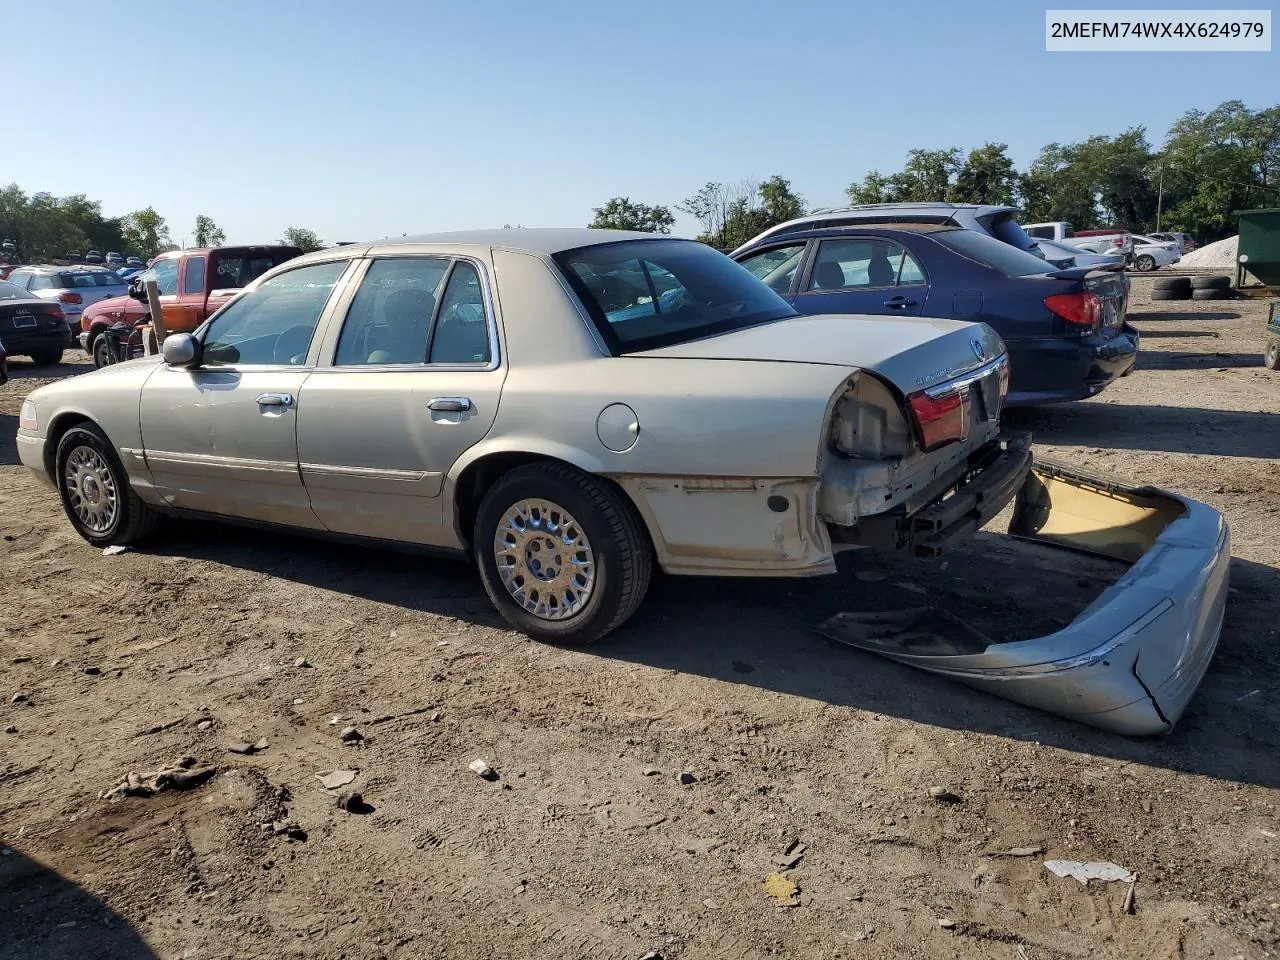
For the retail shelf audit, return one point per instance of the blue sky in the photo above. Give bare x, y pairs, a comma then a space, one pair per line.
381, 117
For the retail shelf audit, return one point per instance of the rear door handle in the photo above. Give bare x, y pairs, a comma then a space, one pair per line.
275, 400
896, 303
450, 404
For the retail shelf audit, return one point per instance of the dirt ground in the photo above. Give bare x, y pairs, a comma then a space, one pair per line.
586, 844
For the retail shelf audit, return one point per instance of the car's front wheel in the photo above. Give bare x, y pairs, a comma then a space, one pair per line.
101, 351
563, 556
95, 490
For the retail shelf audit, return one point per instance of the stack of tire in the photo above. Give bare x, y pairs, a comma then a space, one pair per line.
1191, 288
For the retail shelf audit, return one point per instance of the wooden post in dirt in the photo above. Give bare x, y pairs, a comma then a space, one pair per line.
157, 315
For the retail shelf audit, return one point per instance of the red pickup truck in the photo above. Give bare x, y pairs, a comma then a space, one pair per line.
192, 285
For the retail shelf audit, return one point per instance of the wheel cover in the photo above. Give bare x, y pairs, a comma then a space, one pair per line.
91, 489
544, 559
101, 352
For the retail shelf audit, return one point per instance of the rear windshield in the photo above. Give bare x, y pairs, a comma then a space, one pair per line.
11, 291
1004, 227
995, 254
233, 271
96, 278
651, 293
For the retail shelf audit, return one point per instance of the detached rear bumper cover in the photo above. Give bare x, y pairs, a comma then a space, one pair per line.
1131, 661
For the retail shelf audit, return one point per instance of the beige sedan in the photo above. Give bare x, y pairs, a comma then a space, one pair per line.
567, 407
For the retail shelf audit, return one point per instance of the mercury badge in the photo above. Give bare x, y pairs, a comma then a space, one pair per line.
978, 350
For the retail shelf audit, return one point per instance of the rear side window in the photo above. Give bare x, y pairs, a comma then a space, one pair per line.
990, 252
1008, 230
193, 279
40, 281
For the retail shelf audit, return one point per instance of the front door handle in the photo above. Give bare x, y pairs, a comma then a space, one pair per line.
450, 404
897, 303
275, 400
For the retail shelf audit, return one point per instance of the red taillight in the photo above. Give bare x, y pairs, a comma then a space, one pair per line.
1084, 309
54, 310
1118, 242
940, 420
70, 298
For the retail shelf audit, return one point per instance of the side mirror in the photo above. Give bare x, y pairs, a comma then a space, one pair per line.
137, 290
181, 350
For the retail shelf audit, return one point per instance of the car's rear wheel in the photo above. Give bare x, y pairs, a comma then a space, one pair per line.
563, 555
1145, 263
1271, 356
46, 358
95, 490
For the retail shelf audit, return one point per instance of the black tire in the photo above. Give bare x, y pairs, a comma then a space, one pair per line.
1177, 294
47, 358
1210, 295
623, 555
100, 350
132, 519
1144, 263
1271, 355
1210, 283
1180, 284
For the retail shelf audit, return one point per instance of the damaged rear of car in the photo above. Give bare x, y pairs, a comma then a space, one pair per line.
1131, 661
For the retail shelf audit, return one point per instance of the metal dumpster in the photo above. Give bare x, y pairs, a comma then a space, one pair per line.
1259, 255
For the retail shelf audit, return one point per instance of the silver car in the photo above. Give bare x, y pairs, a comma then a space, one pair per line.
74, 288
571, 408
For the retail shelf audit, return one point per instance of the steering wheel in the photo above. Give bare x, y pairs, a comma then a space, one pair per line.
291, 346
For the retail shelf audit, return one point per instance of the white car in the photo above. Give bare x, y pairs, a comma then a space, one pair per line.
1151, 254
74, 288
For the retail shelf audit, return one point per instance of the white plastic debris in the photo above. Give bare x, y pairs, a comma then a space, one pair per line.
114, 550
481, 769
1102, 870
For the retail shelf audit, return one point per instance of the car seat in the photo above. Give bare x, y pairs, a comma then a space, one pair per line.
828, 275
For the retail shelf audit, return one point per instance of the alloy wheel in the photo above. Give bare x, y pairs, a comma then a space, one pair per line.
91, 489
544, 559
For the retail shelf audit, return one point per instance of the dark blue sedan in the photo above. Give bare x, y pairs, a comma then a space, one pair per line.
1064, 328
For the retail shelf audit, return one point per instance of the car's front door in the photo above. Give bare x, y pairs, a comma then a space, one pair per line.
187, 310
410, 381
222, 437
868, 275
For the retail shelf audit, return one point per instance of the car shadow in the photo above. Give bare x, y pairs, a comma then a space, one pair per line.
762, 634
45, 916
8, 440
1115, 426
1141, 315
1171, 360
26, 370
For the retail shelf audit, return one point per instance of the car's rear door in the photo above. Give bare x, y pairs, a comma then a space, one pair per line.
222, 437
868, 275
408, 382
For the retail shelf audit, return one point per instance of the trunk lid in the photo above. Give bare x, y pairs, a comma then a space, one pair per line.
912, 353
29, 315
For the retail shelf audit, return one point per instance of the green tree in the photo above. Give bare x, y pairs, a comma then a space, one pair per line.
1217, 162
208, 233
872, 188
302, 238
987, 176
778, 202
145, 232
622, 213
926, 177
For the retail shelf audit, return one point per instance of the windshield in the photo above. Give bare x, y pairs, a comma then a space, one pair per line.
651, 293
11, 291
993, 253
